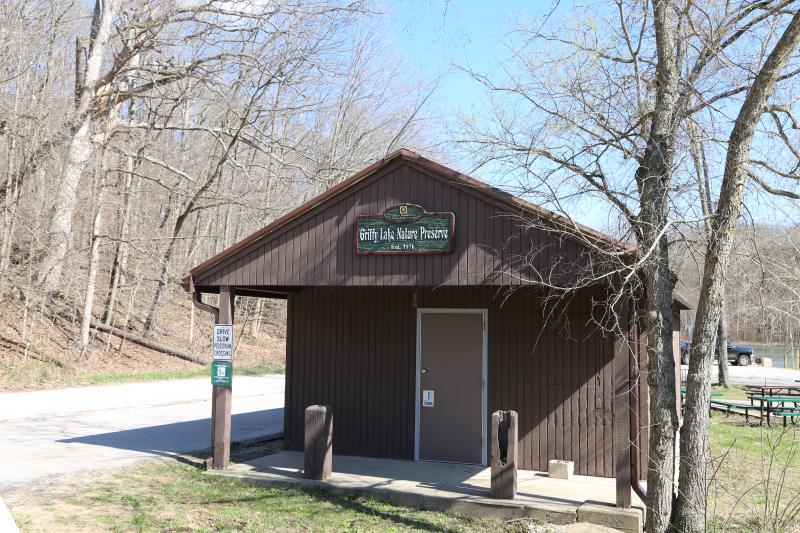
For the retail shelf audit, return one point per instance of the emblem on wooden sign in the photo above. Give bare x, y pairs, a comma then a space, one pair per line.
405, 229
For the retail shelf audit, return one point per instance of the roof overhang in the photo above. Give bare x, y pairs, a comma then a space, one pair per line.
494, 194
682, 296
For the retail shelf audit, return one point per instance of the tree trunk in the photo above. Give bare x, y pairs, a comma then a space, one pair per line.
147, 343
186, 210
163, 278
79, 151
256, 330
11, 199
191, 327
120, 263
661, 381
691, 509
10, 192
653, 179
94, 260
722, 346
704, 189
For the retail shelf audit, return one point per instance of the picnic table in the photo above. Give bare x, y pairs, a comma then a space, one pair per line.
714, 394
783, 406
729, 405
774, 390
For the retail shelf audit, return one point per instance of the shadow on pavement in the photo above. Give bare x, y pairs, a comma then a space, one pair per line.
184, 437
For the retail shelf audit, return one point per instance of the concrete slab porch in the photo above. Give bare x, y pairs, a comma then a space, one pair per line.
455, 488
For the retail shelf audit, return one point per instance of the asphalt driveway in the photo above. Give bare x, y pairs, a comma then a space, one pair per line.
56, 432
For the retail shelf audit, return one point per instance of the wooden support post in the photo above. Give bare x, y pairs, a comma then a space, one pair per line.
318, 442
221, 396
504, 455
622, 427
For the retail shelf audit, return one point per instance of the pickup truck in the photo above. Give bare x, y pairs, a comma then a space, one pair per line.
737, 355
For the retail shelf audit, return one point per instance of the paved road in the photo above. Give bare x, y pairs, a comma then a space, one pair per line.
759, 375
45, 433
755, 375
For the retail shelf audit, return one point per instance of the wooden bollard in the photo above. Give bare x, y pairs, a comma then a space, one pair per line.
504, 455
318, 442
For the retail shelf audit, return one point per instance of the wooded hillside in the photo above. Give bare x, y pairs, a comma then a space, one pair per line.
140, 138
763, 291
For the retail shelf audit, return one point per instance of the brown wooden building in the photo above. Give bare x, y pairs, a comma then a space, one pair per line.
400, 317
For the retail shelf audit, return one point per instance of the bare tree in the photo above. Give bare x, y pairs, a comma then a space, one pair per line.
80, 145
698, 155
212, 119
601, 114
692, 480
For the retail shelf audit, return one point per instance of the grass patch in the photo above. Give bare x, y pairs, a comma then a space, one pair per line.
158, 375
170, 495
736, 392
755, 471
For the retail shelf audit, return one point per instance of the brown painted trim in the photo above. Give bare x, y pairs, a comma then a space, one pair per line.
291, 215
494, 194
279, 293
634, 378
197, 301
281, 226
222, 396
621, 404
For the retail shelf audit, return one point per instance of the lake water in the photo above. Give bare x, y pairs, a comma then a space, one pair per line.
777, 352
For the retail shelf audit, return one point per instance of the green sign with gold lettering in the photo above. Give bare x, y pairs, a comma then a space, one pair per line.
405, 229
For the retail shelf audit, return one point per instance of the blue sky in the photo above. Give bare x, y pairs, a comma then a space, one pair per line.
435, 38
435, 35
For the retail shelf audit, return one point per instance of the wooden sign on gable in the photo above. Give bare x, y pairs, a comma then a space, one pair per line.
405, 229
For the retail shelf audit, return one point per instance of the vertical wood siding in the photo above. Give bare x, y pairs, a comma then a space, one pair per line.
355, 349
317, 248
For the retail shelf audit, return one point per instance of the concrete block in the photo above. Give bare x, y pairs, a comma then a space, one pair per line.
560, 469
627, 520
586, 527
394, 497
503, 509
478, 507
764, 361
552, 514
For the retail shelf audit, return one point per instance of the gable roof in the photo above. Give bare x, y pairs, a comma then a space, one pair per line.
488, 192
